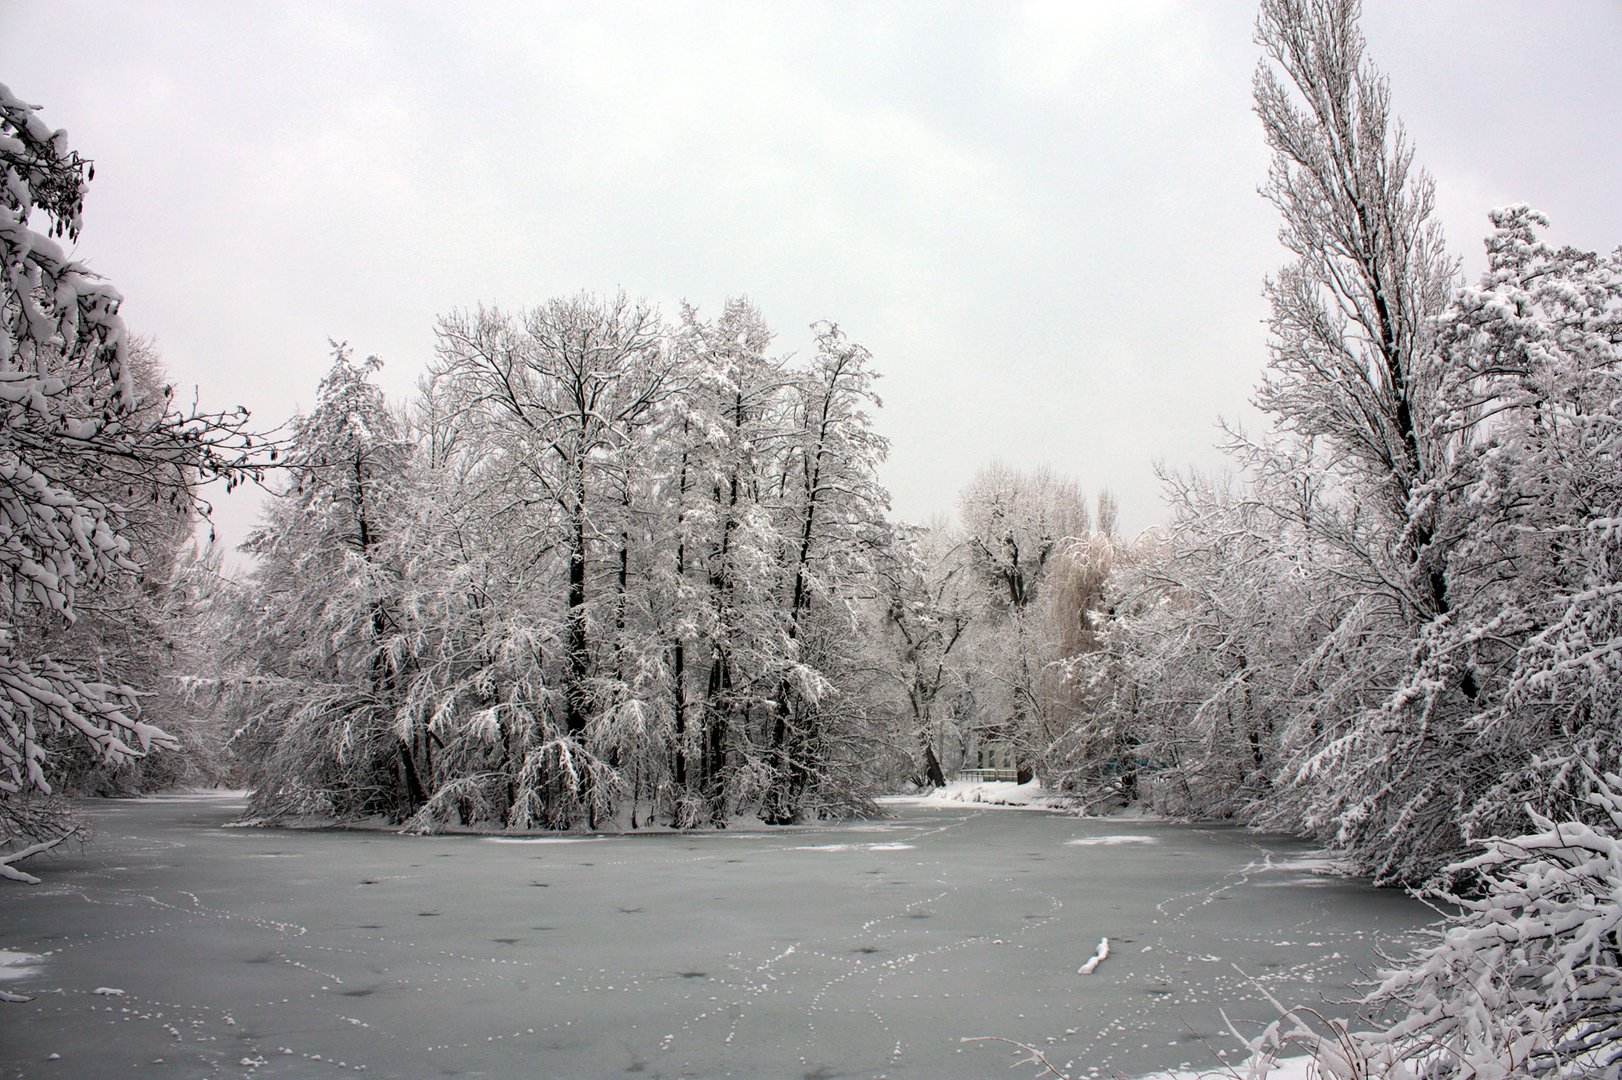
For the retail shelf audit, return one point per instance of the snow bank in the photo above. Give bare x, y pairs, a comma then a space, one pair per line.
1027, 796
196, 795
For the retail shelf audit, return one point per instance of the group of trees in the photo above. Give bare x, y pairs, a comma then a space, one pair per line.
605, 568
984, 619
600, 565
603, 564
1396, 622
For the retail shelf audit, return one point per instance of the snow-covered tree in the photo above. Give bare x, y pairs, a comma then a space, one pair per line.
734, 427
833, 508
321, 682
1355, 390
78, 441
1017, 525
559, 397
932, 599
138, 625
1537, 374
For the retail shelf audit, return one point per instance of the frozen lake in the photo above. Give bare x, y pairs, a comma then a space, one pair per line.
862, 950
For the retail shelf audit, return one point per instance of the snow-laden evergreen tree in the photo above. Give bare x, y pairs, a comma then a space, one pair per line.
81, 444
322, 687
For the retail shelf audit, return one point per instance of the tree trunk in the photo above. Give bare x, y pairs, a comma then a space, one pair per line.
933, 773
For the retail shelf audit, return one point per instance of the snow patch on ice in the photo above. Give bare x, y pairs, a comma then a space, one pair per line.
1316, 868
1320, 863
1102, 841
852, 847
540, 839
19, 965
1299, 1068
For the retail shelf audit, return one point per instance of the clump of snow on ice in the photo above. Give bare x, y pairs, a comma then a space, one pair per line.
1099, 956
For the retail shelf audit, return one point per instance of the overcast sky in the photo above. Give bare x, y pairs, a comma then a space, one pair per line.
1041, 219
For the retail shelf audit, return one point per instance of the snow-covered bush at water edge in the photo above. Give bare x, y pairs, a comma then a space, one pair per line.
1526, 980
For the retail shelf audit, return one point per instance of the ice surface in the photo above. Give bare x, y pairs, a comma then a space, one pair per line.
815, 952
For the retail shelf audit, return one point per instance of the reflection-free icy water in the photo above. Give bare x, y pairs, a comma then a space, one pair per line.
864, 950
